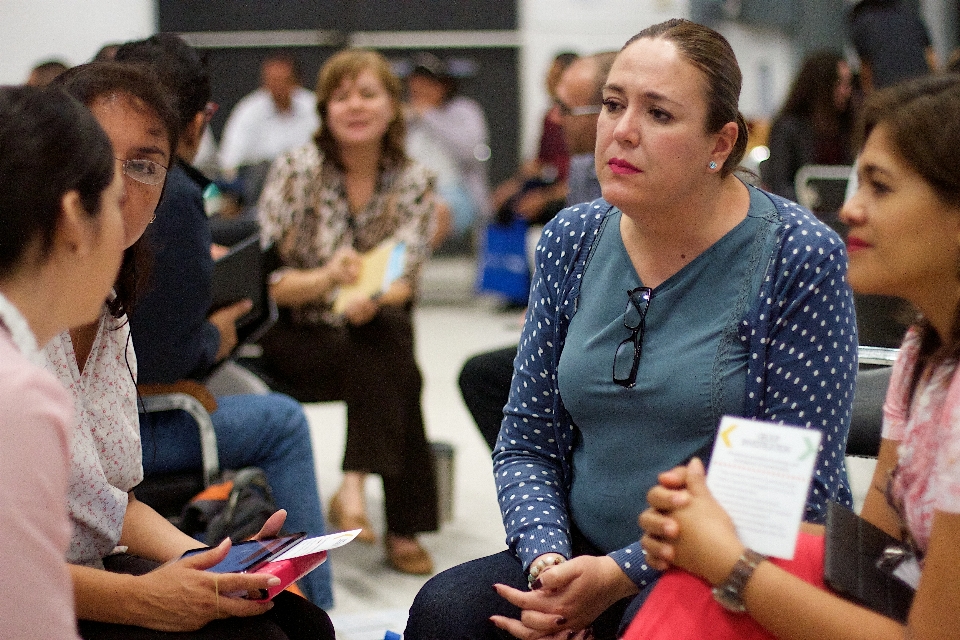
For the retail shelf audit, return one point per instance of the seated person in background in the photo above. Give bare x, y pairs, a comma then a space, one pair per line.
62, 244
279, 116
538, 190
815, 124
904, 224
148, 591
347, 192
485, 378
176, 340
891, 40
44, 73
447, 133
648, 323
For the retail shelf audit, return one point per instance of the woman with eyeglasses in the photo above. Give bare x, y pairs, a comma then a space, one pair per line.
904, 241
124, 558
680, 296
62, 243
177, 337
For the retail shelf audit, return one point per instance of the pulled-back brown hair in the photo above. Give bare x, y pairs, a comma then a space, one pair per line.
709, 52
348, 65
921, 119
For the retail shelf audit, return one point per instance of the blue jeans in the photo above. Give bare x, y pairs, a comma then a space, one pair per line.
267, 431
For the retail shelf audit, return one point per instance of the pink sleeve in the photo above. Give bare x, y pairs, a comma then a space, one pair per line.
946, 470
896, 405
36, 594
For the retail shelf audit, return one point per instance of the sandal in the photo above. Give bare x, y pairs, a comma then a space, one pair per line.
340, 521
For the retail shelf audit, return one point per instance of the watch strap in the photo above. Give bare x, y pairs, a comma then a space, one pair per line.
729, 593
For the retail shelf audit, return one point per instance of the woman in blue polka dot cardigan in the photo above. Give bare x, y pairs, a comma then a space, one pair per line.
681, 296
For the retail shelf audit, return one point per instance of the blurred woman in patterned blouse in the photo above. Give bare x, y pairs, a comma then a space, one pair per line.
324, 205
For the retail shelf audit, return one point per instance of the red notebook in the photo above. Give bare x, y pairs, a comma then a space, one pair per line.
290, 570
296, 560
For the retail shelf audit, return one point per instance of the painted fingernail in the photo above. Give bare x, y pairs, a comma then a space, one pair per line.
561, 621
536, 584
570, 634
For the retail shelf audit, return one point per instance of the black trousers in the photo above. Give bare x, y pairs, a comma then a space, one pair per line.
374, 370
291, 618
485, 386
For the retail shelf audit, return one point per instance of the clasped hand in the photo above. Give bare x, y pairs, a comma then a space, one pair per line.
181, 596
686, 527
565, 599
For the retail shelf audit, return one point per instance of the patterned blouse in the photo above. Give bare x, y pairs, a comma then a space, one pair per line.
305, 213
106, 459
928, 430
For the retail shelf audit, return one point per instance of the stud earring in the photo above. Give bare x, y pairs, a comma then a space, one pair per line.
712, 165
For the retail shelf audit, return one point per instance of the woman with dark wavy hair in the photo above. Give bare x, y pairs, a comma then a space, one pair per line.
323, 205
815, 125
124, 558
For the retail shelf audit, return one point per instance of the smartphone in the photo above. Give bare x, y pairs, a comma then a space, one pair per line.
247, 555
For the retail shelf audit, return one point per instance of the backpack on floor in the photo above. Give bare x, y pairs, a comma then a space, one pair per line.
236, 508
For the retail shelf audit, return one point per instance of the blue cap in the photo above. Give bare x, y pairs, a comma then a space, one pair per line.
392, 635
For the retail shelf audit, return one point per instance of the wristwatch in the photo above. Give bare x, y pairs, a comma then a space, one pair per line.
729, 593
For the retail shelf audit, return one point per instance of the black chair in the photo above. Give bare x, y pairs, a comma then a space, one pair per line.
822, 188
873, 378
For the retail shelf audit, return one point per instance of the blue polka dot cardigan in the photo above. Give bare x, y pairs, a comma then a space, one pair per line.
801, 333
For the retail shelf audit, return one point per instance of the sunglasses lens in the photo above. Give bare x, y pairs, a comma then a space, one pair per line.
632, 317
623, 361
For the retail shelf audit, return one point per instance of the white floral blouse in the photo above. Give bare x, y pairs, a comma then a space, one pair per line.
304, 211
105, 459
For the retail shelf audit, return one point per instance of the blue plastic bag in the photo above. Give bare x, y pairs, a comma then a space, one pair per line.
504, 268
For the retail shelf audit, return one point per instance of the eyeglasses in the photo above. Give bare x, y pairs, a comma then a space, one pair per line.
144, 171
588, 110
627, 358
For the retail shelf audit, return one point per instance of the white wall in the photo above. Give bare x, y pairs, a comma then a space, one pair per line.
32, 31
766, 57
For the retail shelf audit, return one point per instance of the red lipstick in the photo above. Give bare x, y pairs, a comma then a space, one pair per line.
622, 167
855, 244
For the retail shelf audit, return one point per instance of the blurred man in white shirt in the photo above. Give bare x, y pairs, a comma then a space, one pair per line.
278, 116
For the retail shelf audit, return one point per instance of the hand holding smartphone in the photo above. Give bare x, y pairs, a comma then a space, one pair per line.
248, 555
287, 558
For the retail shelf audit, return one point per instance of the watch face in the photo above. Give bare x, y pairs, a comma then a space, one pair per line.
729, 599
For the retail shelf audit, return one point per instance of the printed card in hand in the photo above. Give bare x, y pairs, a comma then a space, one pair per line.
302, 558
760, 473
